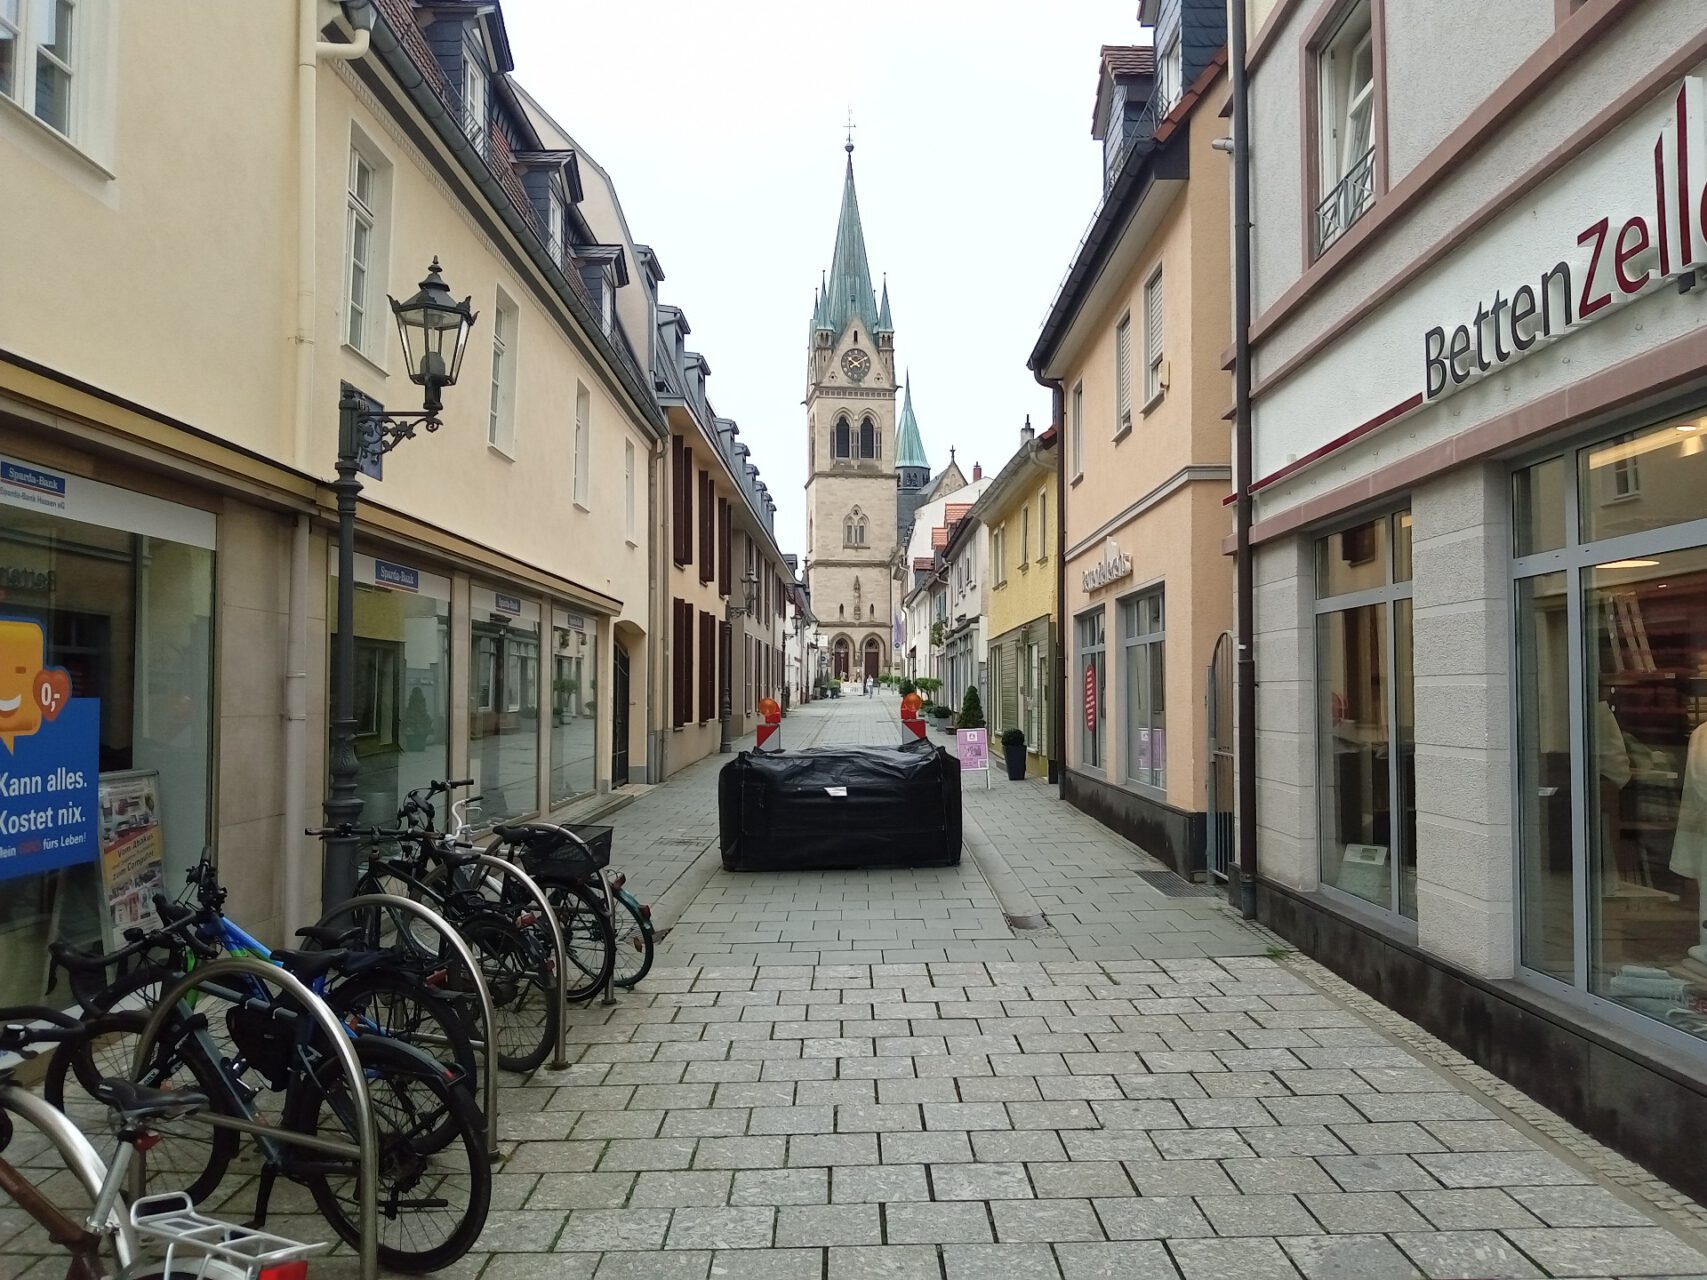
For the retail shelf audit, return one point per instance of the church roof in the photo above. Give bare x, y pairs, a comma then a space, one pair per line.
910, 451
848, 293
884, 323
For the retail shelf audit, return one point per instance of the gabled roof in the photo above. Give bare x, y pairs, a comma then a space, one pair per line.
910, 448
956, 511
847, 293
939, 536
1115, 63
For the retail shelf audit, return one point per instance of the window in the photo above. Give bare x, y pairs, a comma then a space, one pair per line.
681, 500
1345, 81
999, 553
854, 528
40, 43
360, 330
554, 226
1153, 373
1366, 705
501, 420
474, 94
868, 446
1042, 525
681, 663
503, 702
1078, 430
1141, 633
707, 666
707, 528
841, 439
583, 445
1089, 690
628, 488
1024, 535
574, 693
1170, 68
1123, 374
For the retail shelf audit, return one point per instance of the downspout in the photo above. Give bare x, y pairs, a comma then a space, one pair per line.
1058, 642
1245, 669
662, 632
296, 731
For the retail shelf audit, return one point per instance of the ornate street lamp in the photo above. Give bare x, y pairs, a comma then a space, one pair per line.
434, 328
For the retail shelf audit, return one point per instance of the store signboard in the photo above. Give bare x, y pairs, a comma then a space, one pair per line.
41, 489
973, 747
399, 577
133, 852
49, 759
507, 604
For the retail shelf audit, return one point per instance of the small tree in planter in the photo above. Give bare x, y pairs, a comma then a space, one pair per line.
1013, 752
907, 686
971, 710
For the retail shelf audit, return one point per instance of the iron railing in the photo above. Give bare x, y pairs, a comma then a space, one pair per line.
1347, 202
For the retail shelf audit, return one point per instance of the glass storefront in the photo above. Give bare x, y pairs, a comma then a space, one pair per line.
1089, 688
1367, 713
402, 692
117, 590
503, 702
1141, 636
574, 703
1611, 639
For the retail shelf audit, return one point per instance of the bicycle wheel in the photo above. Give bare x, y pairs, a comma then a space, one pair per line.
522, 980
634, 945
405, 1009
190, 1156
587, 935
432, 1203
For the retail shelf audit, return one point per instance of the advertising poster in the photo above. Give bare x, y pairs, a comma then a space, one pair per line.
133, 852
49, 759
974, 748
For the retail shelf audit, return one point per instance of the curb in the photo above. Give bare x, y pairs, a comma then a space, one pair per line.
668, 906
1017, 904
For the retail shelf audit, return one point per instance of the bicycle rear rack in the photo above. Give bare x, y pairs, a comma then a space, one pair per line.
172, 1219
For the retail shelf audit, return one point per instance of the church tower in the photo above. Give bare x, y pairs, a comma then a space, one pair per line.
851, 485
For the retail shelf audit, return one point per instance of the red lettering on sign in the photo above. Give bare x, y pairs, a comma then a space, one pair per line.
1588, 305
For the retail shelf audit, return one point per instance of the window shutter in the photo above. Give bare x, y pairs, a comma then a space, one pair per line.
1123, 372
1152, 335
725, 546
707, 520
682, 663
707, 666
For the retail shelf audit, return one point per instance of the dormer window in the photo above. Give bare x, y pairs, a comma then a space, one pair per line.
554, 226
474, 118
1170, 68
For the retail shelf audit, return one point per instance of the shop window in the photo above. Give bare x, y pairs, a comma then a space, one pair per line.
1089, 688
574, 704
1141, 636
1367, 718
1611, 769
503, 729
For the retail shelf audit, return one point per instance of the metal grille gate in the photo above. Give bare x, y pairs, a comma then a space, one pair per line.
1219, 801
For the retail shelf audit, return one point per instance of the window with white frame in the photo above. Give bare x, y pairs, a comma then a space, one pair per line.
1141, 639
39, 47
583, 443
365, 267
501, 418
1153, 379
628, 488
1345, 82
999, 553
1123, 374
473, 94
1078, 430
1170, 65
554, 231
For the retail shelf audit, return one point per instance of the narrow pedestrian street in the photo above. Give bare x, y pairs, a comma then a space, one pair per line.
875, 1074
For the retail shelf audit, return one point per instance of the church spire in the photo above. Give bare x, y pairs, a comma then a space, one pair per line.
910, 449
884, 323
848, 294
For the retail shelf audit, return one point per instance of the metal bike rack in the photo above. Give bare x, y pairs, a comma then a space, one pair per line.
367, 1178
560, 1051
607, 997
465, 954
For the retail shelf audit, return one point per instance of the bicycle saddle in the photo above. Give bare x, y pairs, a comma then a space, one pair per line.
329, 936
309, 965
138, 1102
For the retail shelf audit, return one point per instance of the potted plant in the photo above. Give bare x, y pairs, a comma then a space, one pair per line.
971, 710
1013, 752
417, 721
907, 686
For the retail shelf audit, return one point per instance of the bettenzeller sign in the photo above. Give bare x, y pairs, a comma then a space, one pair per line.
1659, 234
1114, 565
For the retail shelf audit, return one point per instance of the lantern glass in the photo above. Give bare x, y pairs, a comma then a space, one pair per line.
434, 330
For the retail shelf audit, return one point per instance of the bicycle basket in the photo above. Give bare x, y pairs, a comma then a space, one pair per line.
264, 1041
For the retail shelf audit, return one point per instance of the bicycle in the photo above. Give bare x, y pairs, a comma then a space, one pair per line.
108, 1240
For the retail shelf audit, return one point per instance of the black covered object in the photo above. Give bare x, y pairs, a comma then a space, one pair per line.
840, 807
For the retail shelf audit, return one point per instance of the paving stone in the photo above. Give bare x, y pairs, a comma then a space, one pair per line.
884, 1262
1009, 1261
832, 1149
1478, 1135
1324, 1110
1256, 1215
1152, 1218
1349, 1257
617, 1124
780, 1186
1465, 1255
1484, 1209
965, 1115
1158, 1177
581, 1191
1232, 1260
1026, 1144
768, 1264
1116, 1260
740, 1153
980, 1182
609, 1230
636, 1153
1080, 1179
1053, 1115
1279, 1174
509, 1266
1378, 1173
828, 1224
725, 1227
794, 1119
1396, 1138
1045, 1221
952, 1222
1364, 1211
520, 1230
713, 1122
1585, 1206
1608, 1250
559, 1157
1500, 1169
1141, 1114
879, 1183
1296, 1140
1200, 1144
925, 1148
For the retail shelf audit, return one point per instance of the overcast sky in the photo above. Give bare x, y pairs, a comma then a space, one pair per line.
722, 126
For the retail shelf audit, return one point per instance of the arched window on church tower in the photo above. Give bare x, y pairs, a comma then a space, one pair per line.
853, 529
867, 439
841, 440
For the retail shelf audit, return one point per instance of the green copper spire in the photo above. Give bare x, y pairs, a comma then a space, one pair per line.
884, 323
910, 452
848, 295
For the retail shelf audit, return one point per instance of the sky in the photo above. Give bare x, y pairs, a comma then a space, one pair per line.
722, 126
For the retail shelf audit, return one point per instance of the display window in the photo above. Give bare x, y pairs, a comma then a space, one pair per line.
1611, 653
574, 703
1090, 630
106, 683
402, 693
503, 697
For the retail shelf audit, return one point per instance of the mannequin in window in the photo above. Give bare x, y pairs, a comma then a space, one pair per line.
1689, 845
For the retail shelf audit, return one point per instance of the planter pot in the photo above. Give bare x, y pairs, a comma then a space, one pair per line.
1014, 754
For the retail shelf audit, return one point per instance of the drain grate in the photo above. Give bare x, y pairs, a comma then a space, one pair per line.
1174, 887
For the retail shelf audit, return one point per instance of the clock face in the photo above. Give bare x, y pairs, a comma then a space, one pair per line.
856, 364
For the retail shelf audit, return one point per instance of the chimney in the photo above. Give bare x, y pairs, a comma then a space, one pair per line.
1026, 434
977, 471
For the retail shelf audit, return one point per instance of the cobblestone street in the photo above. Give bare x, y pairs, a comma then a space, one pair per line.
871, 1074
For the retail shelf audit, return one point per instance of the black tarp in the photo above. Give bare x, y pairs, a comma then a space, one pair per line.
840, 807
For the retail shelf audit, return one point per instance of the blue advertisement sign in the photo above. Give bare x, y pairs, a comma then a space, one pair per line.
507, 604
398, 576
49, 760
33, 478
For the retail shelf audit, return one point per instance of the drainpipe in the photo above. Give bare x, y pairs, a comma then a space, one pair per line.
296, 730
1245, 669
1058, 642
658, 582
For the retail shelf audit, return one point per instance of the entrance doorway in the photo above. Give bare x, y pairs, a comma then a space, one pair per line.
842, 658
619, 716
873, 656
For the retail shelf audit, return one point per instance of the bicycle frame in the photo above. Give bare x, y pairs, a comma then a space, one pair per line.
87, 1167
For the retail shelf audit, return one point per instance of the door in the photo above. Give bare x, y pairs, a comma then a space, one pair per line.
873, 657
619, 716
1219, 800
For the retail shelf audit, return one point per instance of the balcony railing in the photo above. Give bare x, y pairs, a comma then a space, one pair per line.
1346, 203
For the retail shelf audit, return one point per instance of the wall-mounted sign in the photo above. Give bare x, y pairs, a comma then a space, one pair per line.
50, 766
399, 577
41, 581
507, 604
575, 622
25, 485
1114, 565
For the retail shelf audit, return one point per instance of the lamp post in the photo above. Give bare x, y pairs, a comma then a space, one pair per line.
434, 328
749, 594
